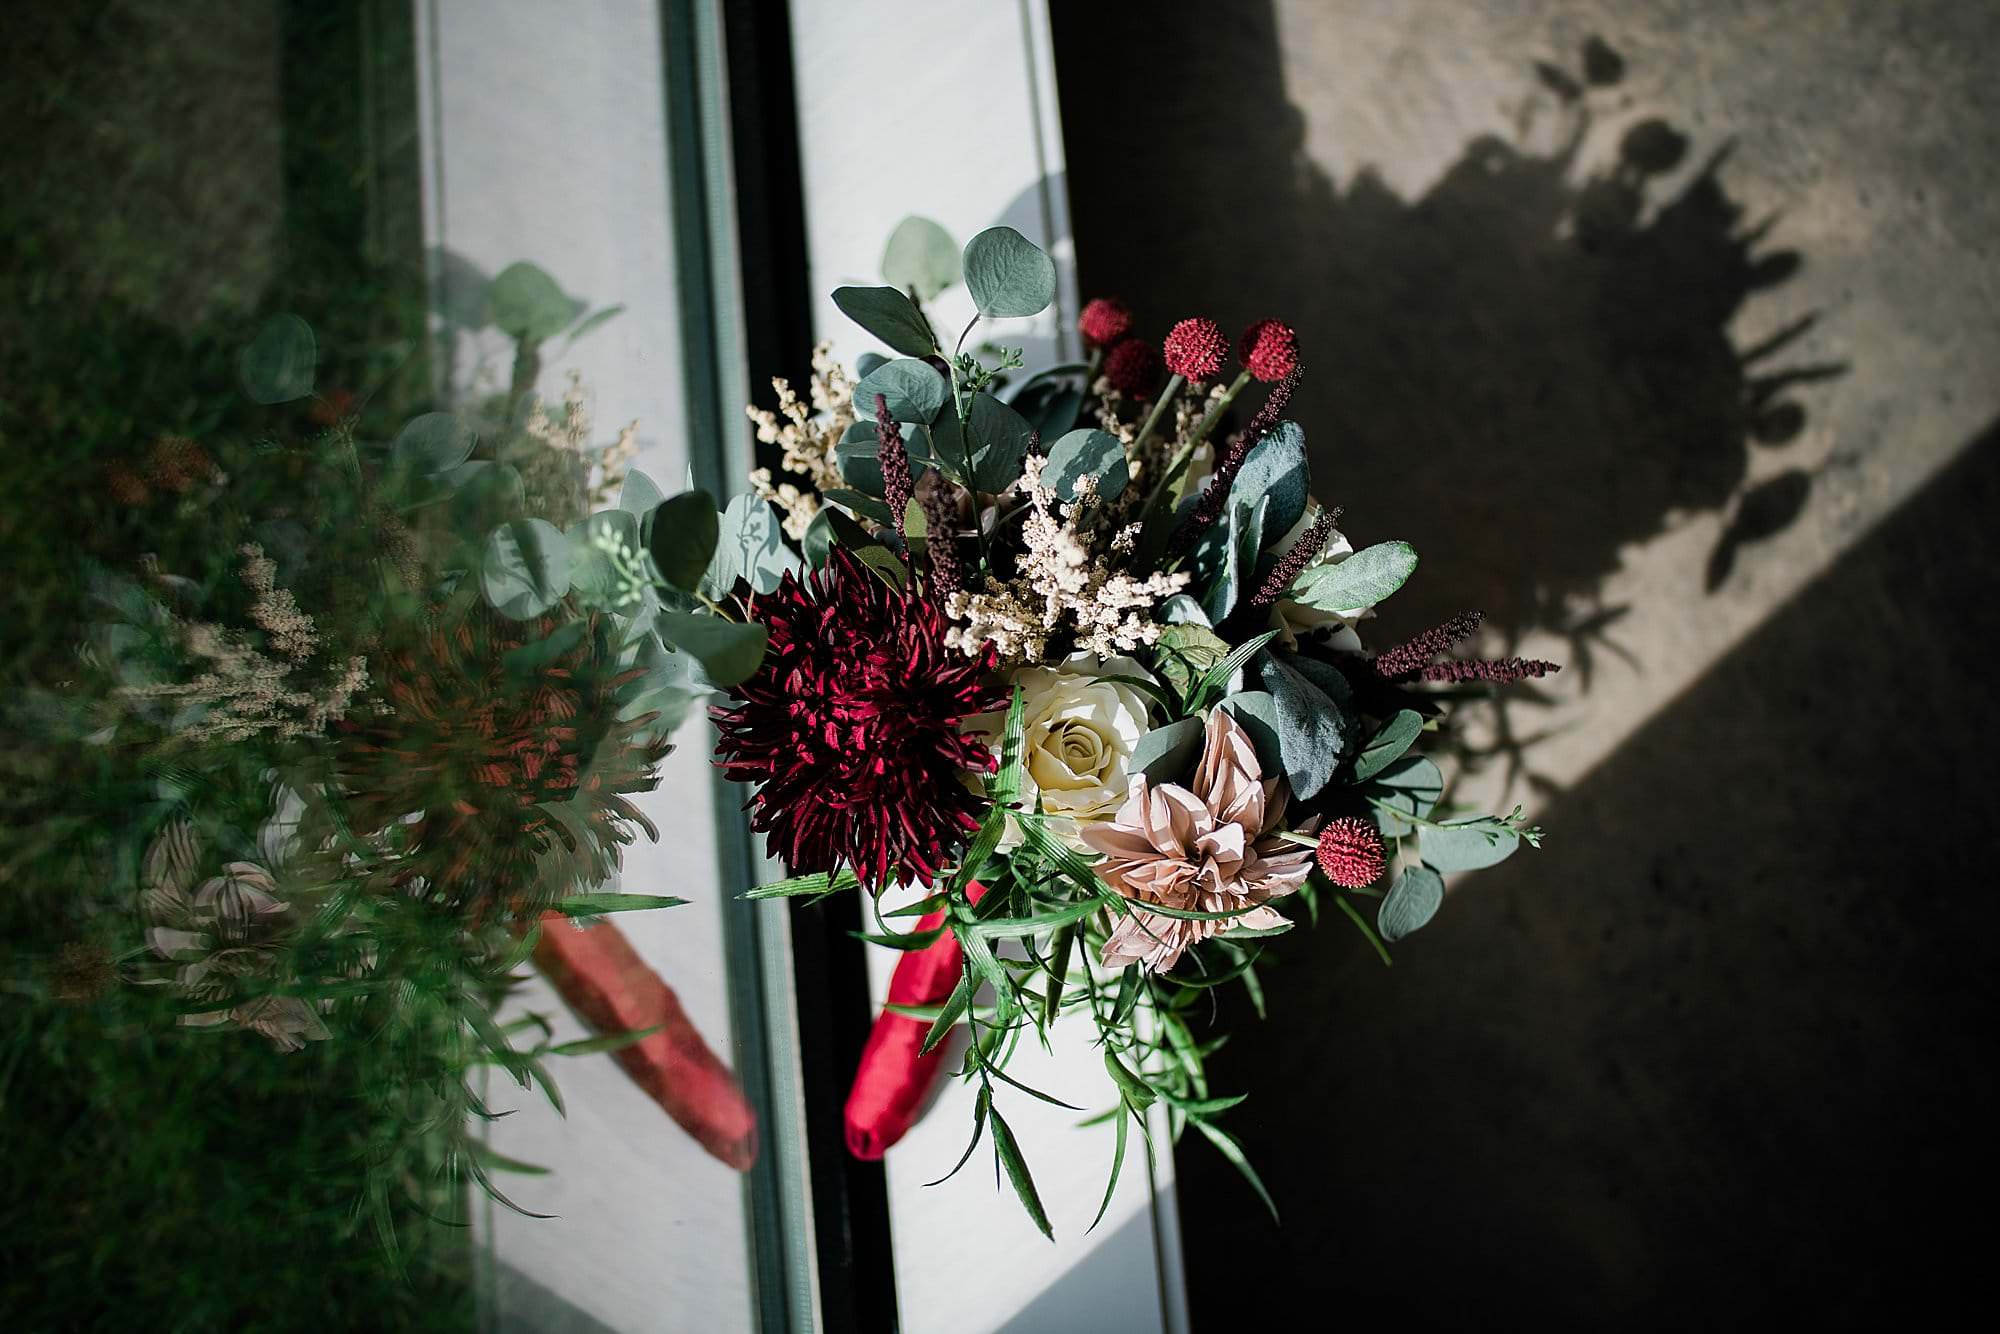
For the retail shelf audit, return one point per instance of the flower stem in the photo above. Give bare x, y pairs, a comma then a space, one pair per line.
1160, 406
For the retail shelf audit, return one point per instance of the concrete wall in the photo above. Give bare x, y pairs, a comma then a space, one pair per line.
1674, 352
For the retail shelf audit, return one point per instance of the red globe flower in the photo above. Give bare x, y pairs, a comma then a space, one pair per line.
1133, 368
1195, 348
850, 728
1350, 852
1269, 350
1104, 321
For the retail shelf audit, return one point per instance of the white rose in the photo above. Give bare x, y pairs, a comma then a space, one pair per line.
1078, 735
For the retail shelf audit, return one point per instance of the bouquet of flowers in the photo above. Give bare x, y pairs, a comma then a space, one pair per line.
1084, 666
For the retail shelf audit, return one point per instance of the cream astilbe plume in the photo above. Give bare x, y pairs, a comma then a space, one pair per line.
1206, 849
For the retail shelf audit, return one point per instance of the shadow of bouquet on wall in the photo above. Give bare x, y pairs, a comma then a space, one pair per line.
1536, 356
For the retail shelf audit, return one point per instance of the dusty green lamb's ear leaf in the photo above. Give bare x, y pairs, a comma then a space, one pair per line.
1087, 453
1165, 754
1388, 744
528, 304
1411, 902
920, 257
1008, 275
1313, 729
278, 365
1258, 713
1359, 582
1275, 470
684, 533
1224, 559
729, 652
1467, 845
751, 548
1409, 787
434, 443
888, 314
526, 568
912, 388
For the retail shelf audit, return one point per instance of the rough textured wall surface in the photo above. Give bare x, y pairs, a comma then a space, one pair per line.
1667, 331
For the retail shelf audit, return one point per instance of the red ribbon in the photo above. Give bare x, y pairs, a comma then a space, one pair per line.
895, 1077
614, 990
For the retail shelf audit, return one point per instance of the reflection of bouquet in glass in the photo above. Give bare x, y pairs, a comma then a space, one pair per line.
1083, 666
375, 712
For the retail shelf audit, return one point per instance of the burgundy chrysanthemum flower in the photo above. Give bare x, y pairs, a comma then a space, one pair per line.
1269, 350
1195, 349
1104, 321
1350, 852
850, 728
1133, 368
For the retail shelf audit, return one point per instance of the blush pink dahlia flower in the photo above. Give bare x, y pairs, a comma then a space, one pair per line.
1209, 848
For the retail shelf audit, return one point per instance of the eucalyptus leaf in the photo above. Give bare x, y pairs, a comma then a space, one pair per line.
1000, 439
818, 539
1358, 582
1087, 453
528, 304
483, 494
751, 547
1050, 406
1410, 903
1167, 754
888, 314
867, 362
1388, 744
858, 455
525, 570
1467, 845
913, 390
1008, 275
684, 534
433, 443
639, 494
920, 257
1409, 787
593, 576
279, 364
728, 651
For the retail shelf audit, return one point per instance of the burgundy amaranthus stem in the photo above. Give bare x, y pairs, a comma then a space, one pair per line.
1209, 508
1301, 555
940, 526
894, 460
1411, 655
1493, 671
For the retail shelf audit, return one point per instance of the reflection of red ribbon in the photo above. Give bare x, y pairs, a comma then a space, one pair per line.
894, 1077
614, 990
